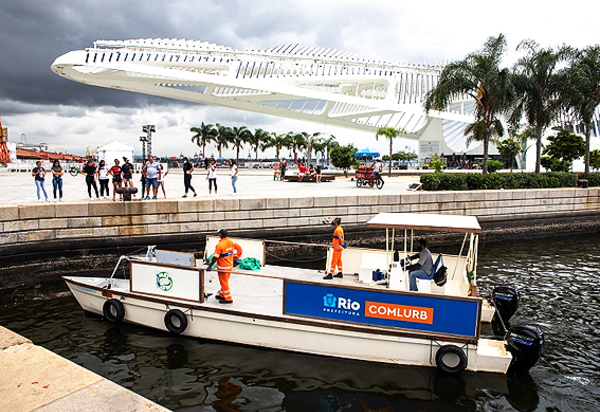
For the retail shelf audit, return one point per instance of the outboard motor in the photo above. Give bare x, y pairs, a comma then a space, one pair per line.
506, 301
525, 343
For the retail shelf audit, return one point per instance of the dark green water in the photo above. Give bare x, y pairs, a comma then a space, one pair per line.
558, 279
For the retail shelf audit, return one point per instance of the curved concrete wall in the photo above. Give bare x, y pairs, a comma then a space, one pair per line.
80, 225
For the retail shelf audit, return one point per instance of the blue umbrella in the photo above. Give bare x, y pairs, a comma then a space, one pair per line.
366, 153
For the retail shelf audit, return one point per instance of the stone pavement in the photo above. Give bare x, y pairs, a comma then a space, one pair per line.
36, 379
19, 188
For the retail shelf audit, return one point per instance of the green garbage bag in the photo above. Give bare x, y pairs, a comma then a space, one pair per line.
214, 266
250, 263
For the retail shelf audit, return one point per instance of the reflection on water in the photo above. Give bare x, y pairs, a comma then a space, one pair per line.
558, 280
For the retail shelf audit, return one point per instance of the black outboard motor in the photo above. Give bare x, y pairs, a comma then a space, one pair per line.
525, 343
506, 301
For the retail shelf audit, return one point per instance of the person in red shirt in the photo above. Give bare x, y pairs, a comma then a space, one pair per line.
117, 179
224, 257
338, 244
301, 171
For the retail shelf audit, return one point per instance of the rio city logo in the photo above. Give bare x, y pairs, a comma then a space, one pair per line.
340, 305
164, 281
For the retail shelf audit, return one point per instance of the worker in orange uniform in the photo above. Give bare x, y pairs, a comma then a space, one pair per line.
224, 257
337, 244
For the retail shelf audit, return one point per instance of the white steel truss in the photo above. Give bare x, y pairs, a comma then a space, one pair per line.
306, 83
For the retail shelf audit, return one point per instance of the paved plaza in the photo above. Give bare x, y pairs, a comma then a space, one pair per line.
19, 187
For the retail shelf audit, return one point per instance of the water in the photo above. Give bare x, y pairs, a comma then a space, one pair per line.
558, 279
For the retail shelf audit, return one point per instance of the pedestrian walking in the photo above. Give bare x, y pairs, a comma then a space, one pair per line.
234, 175
103, 178
90, 172
211, 176
39, 174
188, 168
57, 181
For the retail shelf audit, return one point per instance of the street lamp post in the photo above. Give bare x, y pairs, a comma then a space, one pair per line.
143, 139
148, 129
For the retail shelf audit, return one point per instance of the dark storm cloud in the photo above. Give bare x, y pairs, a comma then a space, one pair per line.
34, 33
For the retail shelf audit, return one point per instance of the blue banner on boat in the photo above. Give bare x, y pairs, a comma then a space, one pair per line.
414, 312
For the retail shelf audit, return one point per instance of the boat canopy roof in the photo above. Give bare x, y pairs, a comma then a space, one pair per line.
426, 221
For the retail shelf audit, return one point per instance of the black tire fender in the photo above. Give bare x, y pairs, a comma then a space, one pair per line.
181, 321
449, 353
113, 311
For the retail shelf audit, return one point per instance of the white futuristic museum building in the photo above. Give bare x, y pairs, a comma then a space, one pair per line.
313, 84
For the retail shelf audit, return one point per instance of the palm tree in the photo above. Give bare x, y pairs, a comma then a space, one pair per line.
329, 142
222, 137
480, 77
389, 133
203, 135
583, 91
278, 141
309, 141
239, 136
296, 141
320, 147
538, 85
258, 139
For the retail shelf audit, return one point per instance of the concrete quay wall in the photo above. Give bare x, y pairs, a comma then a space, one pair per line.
29, 228
36, 379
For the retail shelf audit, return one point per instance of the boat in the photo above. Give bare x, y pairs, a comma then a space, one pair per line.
368, 315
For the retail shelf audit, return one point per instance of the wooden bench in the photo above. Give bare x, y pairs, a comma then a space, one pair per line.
294, 178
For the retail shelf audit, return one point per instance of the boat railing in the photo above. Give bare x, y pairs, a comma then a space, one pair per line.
150, 253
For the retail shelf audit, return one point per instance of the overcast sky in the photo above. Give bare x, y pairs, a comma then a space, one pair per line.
70, 116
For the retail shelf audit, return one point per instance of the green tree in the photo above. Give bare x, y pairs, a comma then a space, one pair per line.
437, 164
320, 147
258, 140
296, 142
407, 155
479, 76
277, 141
343, 157
329, 142
239, 136
309, 141
222, 137
595, 159
528, 133
582, 92
389, 133
538, 84
562, 150
509, 149
203, 135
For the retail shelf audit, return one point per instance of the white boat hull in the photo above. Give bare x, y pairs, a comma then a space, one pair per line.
287, 333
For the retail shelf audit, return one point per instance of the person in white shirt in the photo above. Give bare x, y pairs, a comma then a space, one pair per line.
377, 167
103, 178
153, 173
234, 175
212, 176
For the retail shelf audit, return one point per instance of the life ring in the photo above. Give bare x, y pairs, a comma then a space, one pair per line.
181, 321
451, 359
237, 251
113, 311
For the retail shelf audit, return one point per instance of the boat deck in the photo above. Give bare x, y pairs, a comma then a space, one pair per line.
262, 292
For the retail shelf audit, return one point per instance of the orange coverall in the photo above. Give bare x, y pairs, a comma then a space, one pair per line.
336, 245
224, 255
